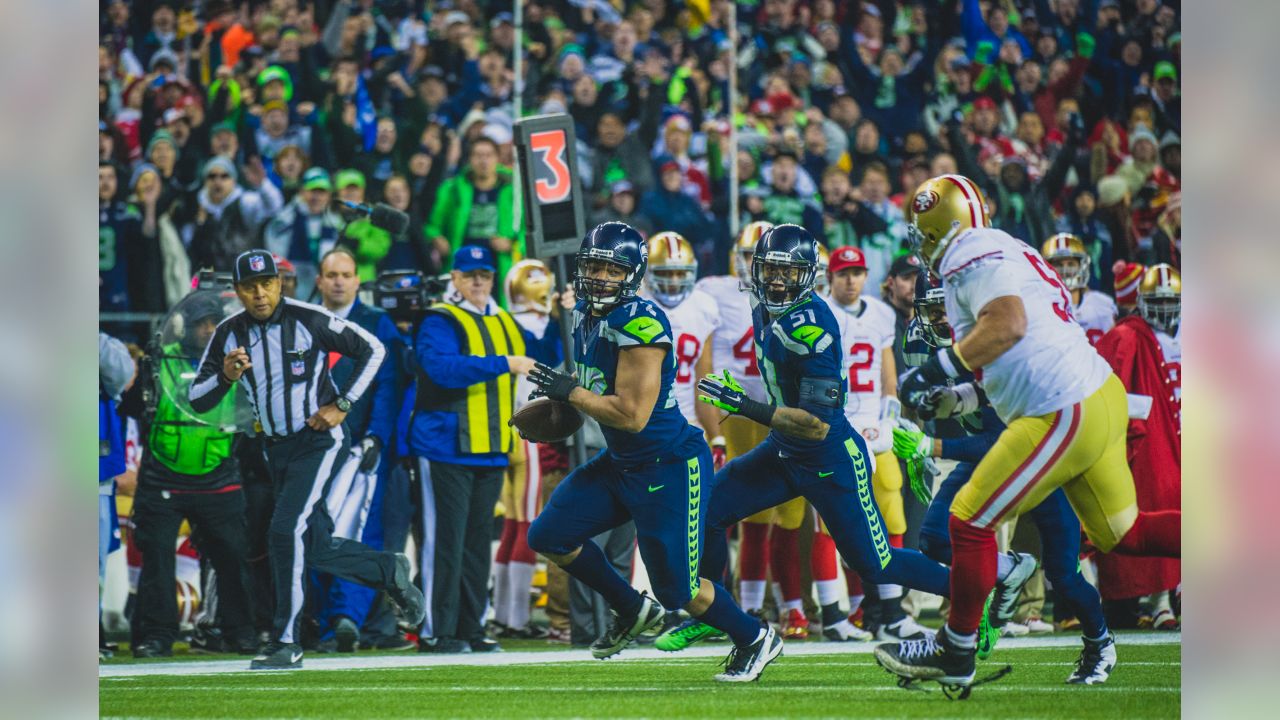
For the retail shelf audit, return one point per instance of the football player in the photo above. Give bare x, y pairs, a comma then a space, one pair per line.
872, 408
811, 451
655, 470
1145, 351
673, 270
965, 438
1065, 412
772, 533
1095, 311
529, 291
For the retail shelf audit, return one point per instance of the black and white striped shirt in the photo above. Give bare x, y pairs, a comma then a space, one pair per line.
288, 379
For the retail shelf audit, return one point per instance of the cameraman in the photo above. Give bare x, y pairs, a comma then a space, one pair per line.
189, 472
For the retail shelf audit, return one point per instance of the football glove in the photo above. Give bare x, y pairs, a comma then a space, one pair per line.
551, 383
916, 448
727, 394
915, 391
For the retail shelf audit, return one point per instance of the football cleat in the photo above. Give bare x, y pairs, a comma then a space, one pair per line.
406, 595
1005, 597
1037, 626
1164, 619
685, 634
795, 626
278, 656
1014, 629
845, 631
745, 664
346, 634
1096, 661
933, 658
988, 635
905, 629
622, 631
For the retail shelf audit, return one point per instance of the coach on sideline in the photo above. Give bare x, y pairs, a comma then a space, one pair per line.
469, 351
281, 346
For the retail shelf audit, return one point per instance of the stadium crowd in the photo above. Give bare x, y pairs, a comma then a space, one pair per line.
230, 126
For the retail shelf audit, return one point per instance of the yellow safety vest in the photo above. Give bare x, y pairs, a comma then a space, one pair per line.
483, 409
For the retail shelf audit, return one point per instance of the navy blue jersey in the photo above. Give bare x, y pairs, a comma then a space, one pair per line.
597, 343
916, 351
803, 343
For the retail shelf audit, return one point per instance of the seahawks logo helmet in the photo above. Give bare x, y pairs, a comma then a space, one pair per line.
784, 267
618, 244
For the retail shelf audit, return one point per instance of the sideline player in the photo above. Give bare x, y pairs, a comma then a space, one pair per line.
1066, 414
965, 438
655, 467
872, 408
811, 451
1095, 311
768, 540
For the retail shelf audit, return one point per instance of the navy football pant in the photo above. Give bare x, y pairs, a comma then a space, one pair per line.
666, 499
839, 488
1060, 547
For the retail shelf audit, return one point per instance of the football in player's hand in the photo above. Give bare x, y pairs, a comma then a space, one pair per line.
545, 420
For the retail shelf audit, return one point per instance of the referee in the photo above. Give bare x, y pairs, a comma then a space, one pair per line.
281, 347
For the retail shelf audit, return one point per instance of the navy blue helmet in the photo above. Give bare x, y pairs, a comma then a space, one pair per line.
784, 267
619, 244
931, 310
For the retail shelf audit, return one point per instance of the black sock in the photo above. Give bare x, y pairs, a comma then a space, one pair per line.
832, 614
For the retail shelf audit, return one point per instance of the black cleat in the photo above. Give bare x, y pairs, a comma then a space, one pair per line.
745, 664
622, 631
346, 634
485, 645
1096, 661
443, 646
278, 656
933, 658
152, 649
405, 594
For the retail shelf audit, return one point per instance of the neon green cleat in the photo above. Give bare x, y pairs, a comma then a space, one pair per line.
685, 634
987, 634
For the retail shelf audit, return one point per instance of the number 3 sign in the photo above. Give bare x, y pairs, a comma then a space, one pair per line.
551, 178
547, 153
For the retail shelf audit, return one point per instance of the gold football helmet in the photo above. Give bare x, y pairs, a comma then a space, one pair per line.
942, 208
529, 285
1066, 253
820, 284
673, 268
1160, 297
740, 260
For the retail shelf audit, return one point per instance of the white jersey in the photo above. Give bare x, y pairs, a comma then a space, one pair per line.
733, 345
692, 322
535, 323
1171, 349
1053, 366
866, 331
1096, 313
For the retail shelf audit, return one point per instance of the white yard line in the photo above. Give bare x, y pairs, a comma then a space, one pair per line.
316, 662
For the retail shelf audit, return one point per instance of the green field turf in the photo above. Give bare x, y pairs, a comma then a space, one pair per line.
1147, 684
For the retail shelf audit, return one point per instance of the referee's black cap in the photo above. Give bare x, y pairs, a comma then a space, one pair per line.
254, 263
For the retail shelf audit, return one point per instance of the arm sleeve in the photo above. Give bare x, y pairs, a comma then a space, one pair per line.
385, 407
970, 449
210, 385
350, 340
440, 355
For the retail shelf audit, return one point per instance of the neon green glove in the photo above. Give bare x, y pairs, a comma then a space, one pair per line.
727, 394
911, 443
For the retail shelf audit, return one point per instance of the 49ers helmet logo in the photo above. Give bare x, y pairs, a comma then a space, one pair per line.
924, 202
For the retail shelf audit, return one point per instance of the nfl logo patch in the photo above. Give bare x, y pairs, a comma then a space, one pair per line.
297, 367
256, 262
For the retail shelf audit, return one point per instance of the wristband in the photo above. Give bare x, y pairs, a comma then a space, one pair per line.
757, 411
717, 441
967, 399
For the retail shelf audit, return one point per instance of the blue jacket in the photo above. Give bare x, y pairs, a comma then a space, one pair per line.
375, 412
111, 460
976, 30
434, 435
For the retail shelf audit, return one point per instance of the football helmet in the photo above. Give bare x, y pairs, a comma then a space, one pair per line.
820, 283
673, 268
740, 259
619, 244
529, 285
1066, 253
784, 267
942, 208
1160, 297
931, 311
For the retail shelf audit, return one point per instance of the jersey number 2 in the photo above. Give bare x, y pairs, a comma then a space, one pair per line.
863, 355
745, 349
1061, 309
687, 349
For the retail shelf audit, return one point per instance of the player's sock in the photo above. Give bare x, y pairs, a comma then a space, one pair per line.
592, 568
822, 563
853, 582
784, 560
520, 577
725, 615
973, 574
753, 562
1154, 534
968, 641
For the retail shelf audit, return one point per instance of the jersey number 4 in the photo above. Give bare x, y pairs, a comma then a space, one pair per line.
1061, 309
745, 350
862, 355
